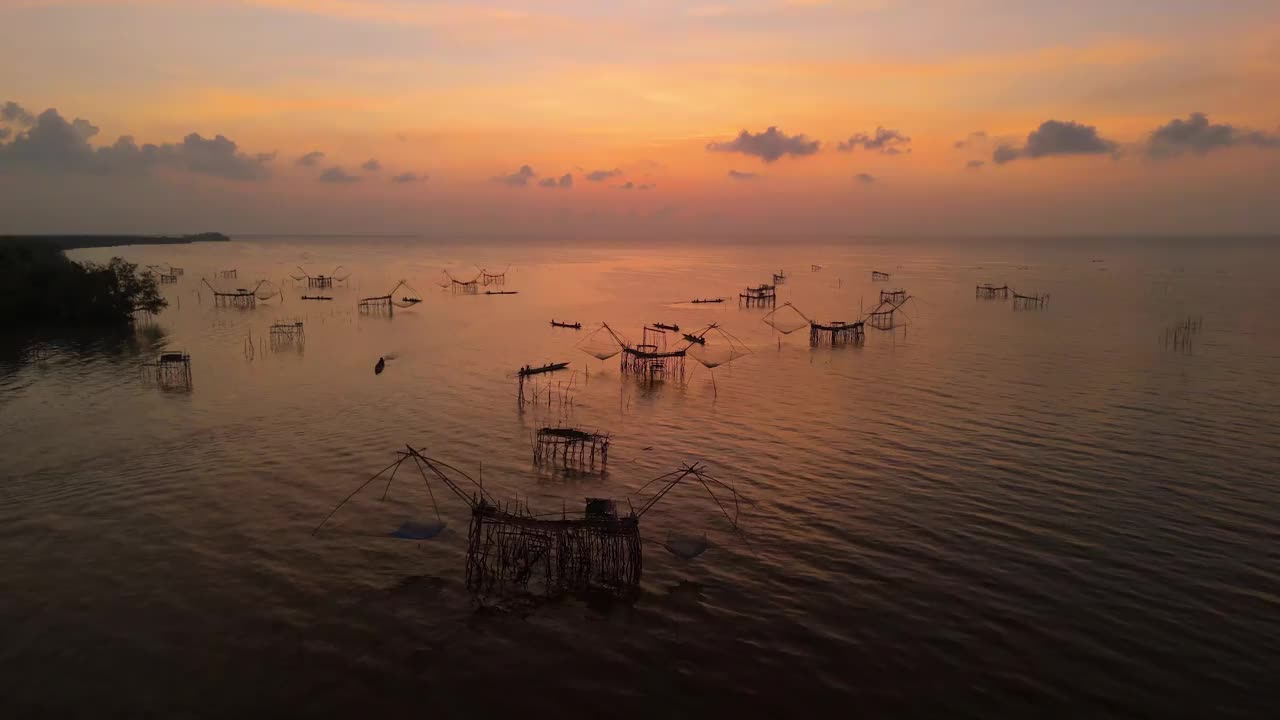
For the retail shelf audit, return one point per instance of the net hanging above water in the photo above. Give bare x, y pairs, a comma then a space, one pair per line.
714, 346
602, 343
786, 319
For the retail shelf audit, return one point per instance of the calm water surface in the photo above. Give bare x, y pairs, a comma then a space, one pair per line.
982, 513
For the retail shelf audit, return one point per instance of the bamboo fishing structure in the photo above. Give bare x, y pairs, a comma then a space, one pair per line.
321, 282
463, 287
1028, 302
759, 295
387, 303
877, 276
170, 371
893, 296
512, 548
988, 291
650, 359
780, 277
493, 278
835, 333
571, 448
242, 297
229, 274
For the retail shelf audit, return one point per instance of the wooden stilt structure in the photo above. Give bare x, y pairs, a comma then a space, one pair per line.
991, 292
512, 548
571, 448
759, 295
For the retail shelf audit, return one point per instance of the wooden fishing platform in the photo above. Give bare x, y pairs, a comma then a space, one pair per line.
571, 448
893, 296
877, 276
512, 548
228, 274
1030, 302
171, 370
759, 295
835, 333
988, 291
779, 277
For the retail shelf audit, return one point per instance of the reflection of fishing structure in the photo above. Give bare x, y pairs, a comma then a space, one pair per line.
493, 278
759, 295
321, 282
1180, 337
788, 318
987, 291
571, 448
170, 371
387, 303
512, 548
1030, 302
243, 297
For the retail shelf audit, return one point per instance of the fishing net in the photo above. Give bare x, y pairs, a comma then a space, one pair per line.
715, 346
267, 290
786, 319
686, 547
602, 343
403, 295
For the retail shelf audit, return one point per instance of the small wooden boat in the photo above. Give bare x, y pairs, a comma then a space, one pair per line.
382, 365
410, 300
316, 297
571, 326
549, 367
501, 292
707, 300
663, 326
695, 339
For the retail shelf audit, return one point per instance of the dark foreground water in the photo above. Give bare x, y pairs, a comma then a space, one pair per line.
982, 513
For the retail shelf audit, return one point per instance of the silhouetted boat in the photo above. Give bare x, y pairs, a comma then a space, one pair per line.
382, 364
662, 326
549, 367
695, 339
316, 297
707, 300
501, 292
574, 326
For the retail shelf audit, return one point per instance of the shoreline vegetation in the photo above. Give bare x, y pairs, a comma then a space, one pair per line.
41, 287
72, 242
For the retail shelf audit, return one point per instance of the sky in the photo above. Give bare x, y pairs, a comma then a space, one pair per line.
640, 117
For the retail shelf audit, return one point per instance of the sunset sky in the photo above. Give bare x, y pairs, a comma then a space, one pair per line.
630, 117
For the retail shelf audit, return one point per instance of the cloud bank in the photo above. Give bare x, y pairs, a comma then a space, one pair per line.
371, 165
51, 144
864, 178
602, 175
337, 174
743, 176
564, 181
519, 178
311, 159
1055, 137
886, 141
769, 145
1197, 135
